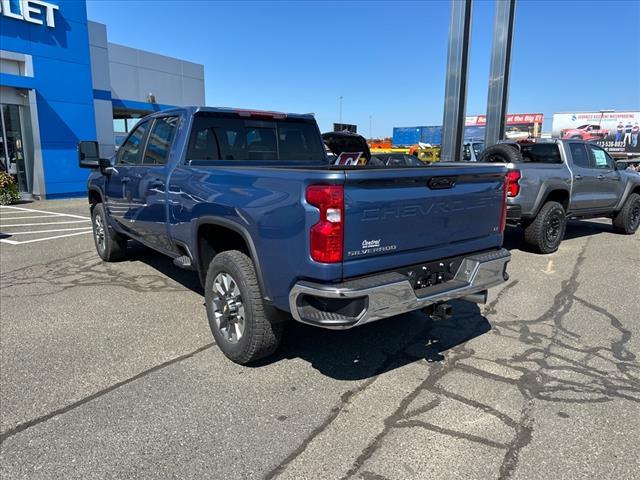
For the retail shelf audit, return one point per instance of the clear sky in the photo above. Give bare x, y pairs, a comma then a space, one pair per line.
387, 59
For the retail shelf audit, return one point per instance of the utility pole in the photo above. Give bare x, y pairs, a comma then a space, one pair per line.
455, 93
498, 97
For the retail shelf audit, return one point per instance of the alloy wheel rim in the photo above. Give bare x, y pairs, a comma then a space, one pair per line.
99, 232
552, 232
228, 308
635, 214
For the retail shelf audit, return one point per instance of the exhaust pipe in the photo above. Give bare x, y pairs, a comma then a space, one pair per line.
480, 297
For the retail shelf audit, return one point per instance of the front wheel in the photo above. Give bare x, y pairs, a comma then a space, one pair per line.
545, 233
110, 245
238, 316
627, 220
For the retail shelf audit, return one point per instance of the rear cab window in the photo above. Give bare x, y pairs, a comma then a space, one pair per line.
225, 138
579, 155
541, 153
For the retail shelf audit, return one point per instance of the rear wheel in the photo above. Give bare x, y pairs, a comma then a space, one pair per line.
545, 233
110, 245
238, 317
627, 220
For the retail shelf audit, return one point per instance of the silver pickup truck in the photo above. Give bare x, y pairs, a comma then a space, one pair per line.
550, 181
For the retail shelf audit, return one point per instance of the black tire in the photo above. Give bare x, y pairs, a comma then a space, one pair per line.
501, 153
110, 245
545, 233
258, 334
627, 220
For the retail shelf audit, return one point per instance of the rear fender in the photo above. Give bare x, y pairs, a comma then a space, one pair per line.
240, 230
630, 187
550, 191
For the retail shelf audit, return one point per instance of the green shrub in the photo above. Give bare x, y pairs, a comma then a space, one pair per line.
9, 192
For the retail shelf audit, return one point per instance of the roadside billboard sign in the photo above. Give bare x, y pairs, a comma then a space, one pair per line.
616, 132
517, 126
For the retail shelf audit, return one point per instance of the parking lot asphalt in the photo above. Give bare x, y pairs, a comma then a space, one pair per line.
109, 371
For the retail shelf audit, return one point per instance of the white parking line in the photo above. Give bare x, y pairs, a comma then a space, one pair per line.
47, 231
43, 211
13, 242
32, 216
12, 211
43, 223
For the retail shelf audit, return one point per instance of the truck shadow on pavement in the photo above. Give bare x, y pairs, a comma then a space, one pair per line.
361, 352
370, 350
514, 236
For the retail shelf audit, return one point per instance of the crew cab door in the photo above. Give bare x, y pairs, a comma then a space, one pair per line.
594, 182
118, 185
609, 181
149, 201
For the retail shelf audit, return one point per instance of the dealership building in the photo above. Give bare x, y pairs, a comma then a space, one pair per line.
61, 81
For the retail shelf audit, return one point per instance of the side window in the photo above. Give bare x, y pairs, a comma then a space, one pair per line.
601, 159
579, 155
129, 152
159, 143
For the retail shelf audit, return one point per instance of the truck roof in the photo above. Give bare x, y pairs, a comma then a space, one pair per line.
192, 110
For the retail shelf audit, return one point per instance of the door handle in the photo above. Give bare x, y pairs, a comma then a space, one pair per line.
578, 177
156, 185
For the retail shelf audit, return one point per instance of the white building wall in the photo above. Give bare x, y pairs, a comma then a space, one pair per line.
135, 74
101, 81
130, 74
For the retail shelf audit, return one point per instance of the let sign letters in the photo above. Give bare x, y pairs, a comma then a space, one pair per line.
32, 11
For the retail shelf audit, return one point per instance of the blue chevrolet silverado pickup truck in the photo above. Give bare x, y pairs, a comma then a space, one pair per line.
250, 200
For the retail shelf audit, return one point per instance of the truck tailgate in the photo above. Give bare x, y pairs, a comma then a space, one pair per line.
397, 217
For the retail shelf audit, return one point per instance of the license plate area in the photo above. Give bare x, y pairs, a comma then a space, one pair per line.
428, 274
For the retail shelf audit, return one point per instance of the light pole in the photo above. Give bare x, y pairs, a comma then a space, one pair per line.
602, 112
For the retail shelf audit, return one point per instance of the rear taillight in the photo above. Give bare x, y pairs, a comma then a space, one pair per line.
327, 235
513, 187
503, 213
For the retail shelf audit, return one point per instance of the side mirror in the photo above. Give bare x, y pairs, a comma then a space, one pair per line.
88, 154
621, 165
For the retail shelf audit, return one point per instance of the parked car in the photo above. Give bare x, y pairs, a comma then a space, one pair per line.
585, 132
550, 181
249, 201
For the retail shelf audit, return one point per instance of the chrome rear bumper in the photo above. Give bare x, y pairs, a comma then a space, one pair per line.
356, 302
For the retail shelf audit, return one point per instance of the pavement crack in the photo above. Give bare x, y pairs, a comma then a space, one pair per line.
617, 347
522, 438
83, 270
449, 432
36, 421
345, 399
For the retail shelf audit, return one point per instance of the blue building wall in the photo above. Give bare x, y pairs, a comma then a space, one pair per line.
62, 82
